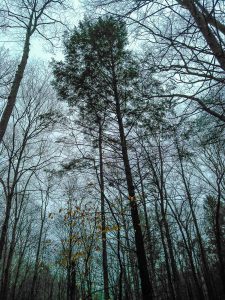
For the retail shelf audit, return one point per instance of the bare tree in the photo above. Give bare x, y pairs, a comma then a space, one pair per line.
23, 159
184, 42
30, 17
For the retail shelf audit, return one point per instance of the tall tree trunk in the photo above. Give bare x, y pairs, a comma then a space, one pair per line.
11, 191
206, 272
164, 201
188, 247
6, 270
146, 285
104, 245
218, 236
36, 266
16, 82
19, 264
132, 276
169, 275
173, 277
5, 223
73, 281
149, 238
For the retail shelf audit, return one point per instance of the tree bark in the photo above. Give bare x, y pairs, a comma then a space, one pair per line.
4, 229
104, 245
207, 33
146, 285
15, 85
6, 270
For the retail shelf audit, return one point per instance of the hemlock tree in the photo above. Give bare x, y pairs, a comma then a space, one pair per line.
100, 74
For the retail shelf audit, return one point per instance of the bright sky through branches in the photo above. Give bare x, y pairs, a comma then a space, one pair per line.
41, 48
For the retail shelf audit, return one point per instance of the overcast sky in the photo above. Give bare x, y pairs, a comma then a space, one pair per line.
40, 48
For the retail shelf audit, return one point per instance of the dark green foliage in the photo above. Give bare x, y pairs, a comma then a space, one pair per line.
92, 51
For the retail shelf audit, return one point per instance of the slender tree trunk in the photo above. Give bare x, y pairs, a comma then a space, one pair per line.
6, 270
11, 192
36, 266
146, 285
149, 238
188, 248
16, 83
68, 282
122, 272
5, 223
218, 236
173, 277
35, 272
19, 264
164, 201
133, 279
206, 271
172, 260
104, 244
169, 275
73, 281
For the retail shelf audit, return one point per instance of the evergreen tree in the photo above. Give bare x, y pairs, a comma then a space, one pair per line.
100, 75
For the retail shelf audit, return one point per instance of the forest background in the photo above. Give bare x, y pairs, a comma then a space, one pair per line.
112, 149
